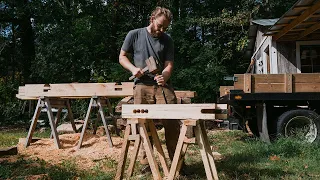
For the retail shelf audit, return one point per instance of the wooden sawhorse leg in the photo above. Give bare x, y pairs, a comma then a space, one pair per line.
43, 102
202, 140
95, 102
63, 103
132, 134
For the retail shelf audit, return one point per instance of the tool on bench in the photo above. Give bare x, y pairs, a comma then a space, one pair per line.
153, 66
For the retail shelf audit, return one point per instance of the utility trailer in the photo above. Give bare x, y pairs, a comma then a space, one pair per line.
270, 105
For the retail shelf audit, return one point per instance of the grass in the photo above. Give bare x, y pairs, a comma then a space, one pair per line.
243, 158
11, 137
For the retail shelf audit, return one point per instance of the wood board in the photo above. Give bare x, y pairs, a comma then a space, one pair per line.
278, 83
172, 111
84, 90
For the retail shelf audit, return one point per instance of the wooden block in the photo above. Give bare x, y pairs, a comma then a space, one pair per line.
67, 128
80, 89
170, 111
247, 83
288, 83
224, 90
9, 151
185, 94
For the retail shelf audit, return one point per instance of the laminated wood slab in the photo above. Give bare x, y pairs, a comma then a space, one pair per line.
174, 111
79, 90
83, 90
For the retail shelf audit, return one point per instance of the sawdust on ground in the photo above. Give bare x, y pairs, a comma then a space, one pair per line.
94, 148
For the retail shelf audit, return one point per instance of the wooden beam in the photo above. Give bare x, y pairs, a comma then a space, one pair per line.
305, 15
173, 111
309, 30
298, 29
315, 15
308, 23
283, 24
300, 7
84, 90
289, 17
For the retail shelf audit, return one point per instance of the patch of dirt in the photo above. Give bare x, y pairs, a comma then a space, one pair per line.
94, 148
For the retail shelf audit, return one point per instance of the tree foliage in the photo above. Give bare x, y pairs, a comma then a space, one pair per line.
61, 41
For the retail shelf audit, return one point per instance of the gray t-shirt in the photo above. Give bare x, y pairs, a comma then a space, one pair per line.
142, 45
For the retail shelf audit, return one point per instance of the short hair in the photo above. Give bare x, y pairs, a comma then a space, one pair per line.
159, 11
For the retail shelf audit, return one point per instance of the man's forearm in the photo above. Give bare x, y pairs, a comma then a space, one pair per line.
125, 62
167, 71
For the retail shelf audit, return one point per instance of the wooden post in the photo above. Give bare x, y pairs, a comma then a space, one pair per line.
205, 150
56, 120
148, 148
95, 102
247, 83
85, 123
124, 153
34, 122
262, 122
288, 83
114, 120
105, 123
52, 124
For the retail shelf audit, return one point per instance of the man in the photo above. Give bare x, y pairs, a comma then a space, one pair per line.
141, 44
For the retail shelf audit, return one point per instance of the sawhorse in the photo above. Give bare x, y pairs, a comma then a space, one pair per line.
200, 139
100, 103
190, 115
49, 103
138, 135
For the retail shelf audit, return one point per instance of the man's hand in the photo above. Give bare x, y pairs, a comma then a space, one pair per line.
137, 72
160, 80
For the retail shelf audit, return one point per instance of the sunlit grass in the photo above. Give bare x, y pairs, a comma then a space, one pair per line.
243, 157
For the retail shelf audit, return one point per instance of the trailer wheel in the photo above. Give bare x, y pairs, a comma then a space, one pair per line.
302, 124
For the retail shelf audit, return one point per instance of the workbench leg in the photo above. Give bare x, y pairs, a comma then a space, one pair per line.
105, 124
181, 160
159, 148
148, 148
52, 124
70, 116
124, 153
134, 155
204, 154
33, 123
56, 120
85, 123
177, 153
208, 150
114, 120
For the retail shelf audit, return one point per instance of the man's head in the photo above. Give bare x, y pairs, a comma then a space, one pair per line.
160, 20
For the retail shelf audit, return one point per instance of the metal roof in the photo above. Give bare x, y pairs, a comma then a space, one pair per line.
265, 22
300, 22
